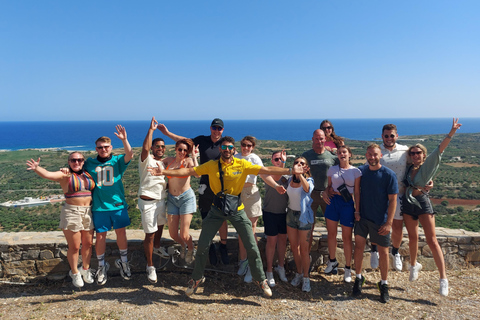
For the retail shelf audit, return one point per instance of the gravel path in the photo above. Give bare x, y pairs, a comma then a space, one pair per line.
225, 296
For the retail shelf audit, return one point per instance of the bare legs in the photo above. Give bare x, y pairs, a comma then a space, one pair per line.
74, 240
183, 237
152, 240
280, 242
300, 244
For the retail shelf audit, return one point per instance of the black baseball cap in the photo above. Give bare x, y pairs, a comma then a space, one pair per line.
217, 123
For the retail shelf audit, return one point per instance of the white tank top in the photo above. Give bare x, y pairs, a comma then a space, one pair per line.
294, 197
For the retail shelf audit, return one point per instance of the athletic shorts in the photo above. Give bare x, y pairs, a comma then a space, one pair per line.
318, 202
182, 204
365, 227
76, 218
154, 214
105, 220
274, 223
293, 221
412, 209
252, 201
339, 210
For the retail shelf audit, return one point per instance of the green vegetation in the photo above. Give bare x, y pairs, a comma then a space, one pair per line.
452, 182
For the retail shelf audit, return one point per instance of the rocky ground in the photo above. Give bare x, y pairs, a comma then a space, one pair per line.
225, 296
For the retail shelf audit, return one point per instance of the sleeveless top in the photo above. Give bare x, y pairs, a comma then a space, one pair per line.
80, 185
181, 166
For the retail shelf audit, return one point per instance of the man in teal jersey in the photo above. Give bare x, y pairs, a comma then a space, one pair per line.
109, 207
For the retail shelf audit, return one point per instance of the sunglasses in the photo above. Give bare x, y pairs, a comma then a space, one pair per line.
412, 153
79, 160
389, 136
329, 127
103, 147
215, 128
225, 147
247, 145
277, 159
299, 162
160, 146
182, 150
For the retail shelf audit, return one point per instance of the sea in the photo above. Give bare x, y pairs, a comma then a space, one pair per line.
81, 135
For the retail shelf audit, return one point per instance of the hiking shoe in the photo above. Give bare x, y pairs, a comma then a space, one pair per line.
224, 253
270, 279
190, 257
357, 286
182, 252
248, 276
397, 259
76, 279
87, 275
193, 285
306, 285
444, 287
242, 267
212, 255
384, 297
374, 259
265, 287
332, 267
101, 274
297, 280
161, 252
414, 270
124, 269
152, 274
281, 273
347, 276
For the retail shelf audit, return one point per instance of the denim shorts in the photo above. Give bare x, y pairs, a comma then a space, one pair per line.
182, 204
293, 221
105, 220
413, 210
339, 210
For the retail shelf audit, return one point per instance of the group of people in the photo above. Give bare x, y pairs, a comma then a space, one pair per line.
373, 200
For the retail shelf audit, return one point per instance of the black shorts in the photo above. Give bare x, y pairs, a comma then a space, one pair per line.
365, 227
274, 223
205, 202
413, 210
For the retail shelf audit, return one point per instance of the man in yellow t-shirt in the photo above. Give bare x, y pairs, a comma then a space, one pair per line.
235, 172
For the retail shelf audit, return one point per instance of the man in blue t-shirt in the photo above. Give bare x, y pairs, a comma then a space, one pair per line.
378, 200
109, 207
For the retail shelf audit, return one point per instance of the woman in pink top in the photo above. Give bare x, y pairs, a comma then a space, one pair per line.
333, 141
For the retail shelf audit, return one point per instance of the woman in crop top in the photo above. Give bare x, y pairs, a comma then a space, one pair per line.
76, 216
300, 219
181, 202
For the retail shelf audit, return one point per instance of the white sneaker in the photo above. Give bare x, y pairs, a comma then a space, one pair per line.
248, 276
161, 252
414, 270
190, 256
347, 277
101, 274
242, 267
76, 279
281, 273
398, 262
332, 267
306, 285
297, 279
444, 287
124, 269
152, 274
270, 279
87, 275
374, 259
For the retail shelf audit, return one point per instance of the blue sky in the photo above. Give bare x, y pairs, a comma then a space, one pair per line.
129, 60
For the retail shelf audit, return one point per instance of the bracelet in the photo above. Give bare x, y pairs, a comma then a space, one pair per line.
448, 137
283, 161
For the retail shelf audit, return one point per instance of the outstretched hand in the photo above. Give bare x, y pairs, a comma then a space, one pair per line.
121, 132
32, 164
156, 171
280, 189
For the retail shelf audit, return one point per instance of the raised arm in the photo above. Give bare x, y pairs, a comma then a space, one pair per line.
158, 171
122, 135
171, 135
448, 137
147, 143
44, 173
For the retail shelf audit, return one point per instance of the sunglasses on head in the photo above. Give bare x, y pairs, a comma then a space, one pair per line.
229, 147
299, 162
215, 128
412, 153
389, 136
160, 146
245, 145
328, 127
77, 160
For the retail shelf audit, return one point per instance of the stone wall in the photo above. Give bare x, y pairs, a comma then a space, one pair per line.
27, 256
